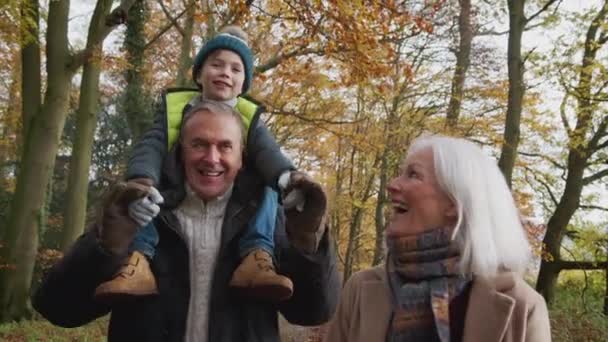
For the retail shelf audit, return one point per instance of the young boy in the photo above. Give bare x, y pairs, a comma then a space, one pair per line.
223, 69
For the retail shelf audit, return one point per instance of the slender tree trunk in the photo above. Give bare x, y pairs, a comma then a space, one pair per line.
86, 119
356, 221
606, 293
379, 251
517, 23
336, 222
462, 63
134, 101
185, 61
10, 123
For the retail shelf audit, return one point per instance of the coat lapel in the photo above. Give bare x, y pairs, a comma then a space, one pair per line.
241, 207
489, 310
375, 320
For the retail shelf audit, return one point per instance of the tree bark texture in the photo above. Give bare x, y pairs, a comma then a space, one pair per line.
463, 61
74, 215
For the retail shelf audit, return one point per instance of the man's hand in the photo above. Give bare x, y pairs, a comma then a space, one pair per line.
115, 228
305, 226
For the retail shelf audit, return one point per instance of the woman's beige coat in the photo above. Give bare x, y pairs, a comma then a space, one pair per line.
502, 309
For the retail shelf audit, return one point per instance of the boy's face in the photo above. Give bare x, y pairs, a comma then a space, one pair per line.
222, 76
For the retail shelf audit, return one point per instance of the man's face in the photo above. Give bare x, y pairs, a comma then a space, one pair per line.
222, 76
212, 153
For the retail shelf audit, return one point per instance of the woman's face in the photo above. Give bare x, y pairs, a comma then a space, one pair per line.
418, 202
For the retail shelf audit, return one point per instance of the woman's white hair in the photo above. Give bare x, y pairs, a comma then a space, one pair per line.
489, 230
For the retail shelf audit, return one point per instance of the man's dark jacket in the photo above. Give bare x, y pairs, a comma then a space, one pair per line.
65, 296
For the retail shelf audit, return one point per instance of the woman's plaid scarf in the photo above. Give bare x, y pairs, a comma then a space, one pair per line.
423, 276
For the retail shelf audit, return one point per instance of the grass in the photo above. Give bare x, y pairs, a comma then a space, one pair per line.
572, 319
575, 319
41, 330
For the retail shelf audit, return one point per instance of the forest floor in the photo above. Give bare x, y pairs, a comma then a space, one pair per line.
571, 320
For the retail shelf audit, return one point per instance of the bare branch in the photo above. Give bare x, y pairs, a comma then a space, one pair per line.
593, 207
602, 128
547, 158
542, 9
594, 177
171, 19
164, 30
562, 112
492, 33
279, 58
581, 265
544, 184
528, 54
315, 120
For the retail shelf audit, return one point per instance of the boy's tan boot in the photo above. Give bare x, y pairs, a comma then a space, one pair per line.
133, 279
257, 278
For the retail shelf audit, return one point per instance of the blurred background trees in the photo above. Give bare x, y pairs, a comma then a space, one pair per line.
347, 86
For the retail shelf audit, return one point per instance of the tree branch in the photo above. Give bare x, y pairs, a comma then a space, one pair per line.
543, 183
593, 207
544, 8
596, 176
581, 265
279, 58
315, 120
562, 113
164, 30
491, 33
601, 131
117, 17
172, 20
547, 158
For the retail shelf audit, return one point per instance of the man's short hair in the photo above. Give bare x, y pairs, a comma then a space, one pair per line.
218, 108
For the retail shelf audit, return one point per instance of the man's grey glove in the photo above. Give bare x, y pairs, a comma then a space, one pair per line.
305, 227
145, 209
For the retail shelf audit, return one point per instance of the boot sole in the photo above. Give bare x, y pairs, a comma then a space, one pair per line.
113, 298
272, 293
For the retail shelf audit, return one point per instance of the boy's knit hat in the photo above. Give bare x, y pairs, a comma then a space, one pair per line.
226, 41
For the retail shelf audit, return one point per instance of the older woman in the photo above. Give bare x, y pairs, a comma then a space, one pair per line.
456, 250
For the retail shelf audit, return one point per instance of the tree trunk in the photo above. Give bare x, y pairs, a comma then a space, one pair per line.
462, 63
606, 293
134, 99
74, 215
578, 156
185, 61
30, 57
517, 22
379, 251
40, 148
10, 123
356, 221
41, 143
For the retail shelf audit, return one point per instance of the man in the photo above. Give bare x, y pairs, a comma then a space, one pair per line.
208, 208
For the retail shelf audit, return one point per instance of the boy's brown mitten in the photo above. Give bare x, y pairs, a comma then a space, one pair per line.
306, 227
114, 227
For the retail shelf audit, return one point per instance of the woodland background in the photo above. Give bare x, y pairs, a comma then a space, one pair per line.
347, 85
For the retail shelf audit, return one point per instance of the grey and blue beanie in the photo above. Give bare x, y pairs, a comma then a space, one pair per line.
225, 41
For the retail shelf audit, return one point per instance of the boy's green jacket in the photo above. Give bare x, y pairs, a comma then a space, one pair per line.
262, 151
